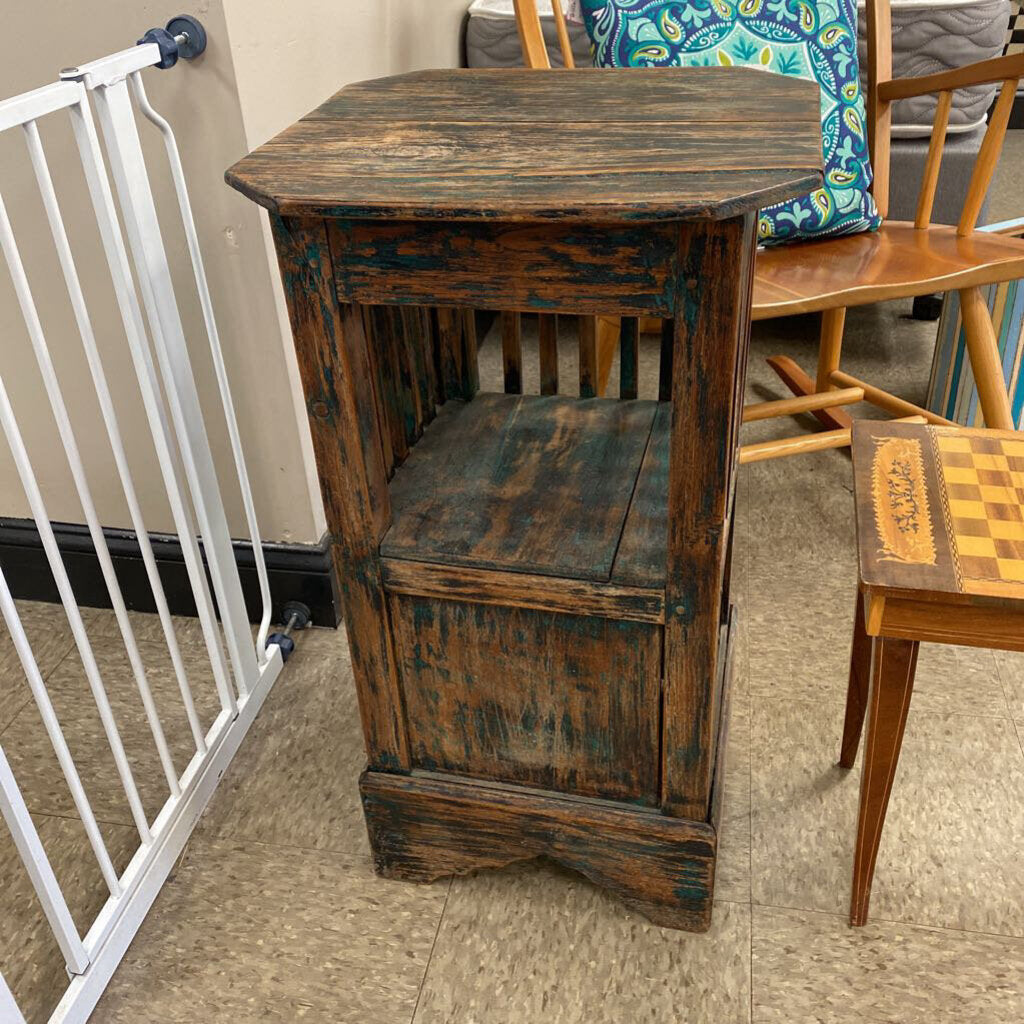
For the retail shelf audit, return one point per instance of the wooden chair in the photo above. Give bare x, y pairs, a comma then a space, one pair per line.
901, 260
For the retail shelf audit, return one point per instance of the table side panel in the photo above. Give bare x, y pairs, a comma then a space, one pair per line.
550, 267
569, 703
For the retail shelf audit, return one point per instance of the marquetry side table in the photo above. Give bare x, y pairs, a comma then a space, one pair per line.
940, 531
540, 648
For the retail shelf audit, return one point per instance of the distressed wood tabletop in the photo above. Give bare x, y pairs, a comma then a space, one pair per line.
598, 145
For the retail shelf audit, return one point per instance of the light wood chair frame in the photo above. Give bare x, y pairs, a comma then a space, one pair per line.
831, 389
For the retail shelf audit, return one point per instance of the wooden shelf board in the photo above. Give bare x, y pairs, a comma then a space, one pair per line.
539, 485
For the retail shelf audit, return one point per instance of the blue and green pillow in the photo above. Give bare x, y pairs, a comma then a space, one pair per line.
810, 39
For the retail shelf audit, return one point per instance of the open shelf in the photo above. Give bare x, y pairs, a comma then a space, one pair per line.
552, 486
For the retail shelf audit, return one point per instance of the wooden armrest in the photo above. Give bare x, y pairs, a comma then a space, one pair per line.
984, 72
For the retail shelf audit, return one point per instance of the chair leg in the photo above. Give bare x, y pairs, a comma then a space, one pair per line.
609, 329
893, 664
983, 350
857, 688
829, 350
830, 347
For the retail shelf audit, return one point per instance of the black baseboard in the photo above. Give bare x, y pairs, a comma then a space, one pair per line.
298, 572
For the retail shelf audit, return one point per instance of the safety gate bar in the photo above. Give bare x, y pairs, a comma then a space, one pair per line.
170, 398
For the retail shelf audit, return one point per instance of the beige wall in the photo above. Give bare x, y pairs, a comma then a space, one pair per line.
267, 64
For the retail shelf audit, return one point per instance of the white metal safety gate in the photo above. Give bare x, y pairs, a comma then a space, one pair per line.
156, 340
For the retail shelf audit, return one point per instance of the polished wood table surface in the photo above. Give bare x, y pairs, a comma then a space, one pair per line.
535, 587
940, 531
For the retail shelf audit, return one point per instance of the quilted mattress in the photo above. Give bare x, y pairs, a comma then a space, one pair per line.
928, 36
935, 35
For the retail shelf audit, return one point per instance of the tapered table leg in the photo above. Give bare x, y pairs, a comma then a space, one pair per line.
857, 690
892, 680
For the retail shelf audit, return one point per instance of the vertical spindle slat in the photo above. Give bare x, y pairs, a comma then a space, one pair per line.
933, 162
668, 329
629, 357
379, 324
548, 328
471, 365
412, 333
588, 356
458, 366
512, 352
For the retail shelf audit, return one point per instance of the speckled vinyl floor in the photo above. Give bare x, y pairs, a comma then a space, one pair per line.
274, 913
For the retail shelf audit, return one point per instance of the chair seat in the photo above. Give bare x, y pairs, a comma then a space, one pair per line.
897, 261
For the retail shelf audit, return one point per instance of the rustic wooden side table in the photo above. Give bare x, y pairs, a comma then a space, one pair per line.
540, 649
940, 530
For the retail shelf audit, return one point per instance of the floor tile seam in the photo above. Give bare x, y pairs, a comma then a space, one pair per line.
1016, 940
430, 955
840, 702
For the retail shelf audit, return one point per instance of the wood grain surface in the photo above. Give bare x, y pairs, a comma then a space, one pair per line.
521, 483
549, 267
336, 378
524, 590
711, 334
897, 261
424, 827
642, 557
681, 142
568, 703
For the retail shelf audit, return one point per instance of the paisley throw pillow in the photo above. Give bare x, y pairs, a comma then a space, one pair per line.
811, 39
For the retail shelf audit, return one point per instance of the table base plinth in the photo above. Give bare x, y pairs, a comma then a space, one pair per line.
426, 826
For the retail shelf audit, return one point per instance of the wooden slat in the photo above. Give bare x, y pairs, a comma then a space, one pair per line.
598, 95
334, 365
802, 403
668, 330
801, 445
982, 72
587, 326
986, 365
564, 42
547, 325
608, 330
629, 357
883, 399
879, 103
643, 551
470, 353
801, 384
805, 443
459, 372
512, 352
521, 483
383, 323
988, 156
379, 405
933, 162
525, 590
531, 34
